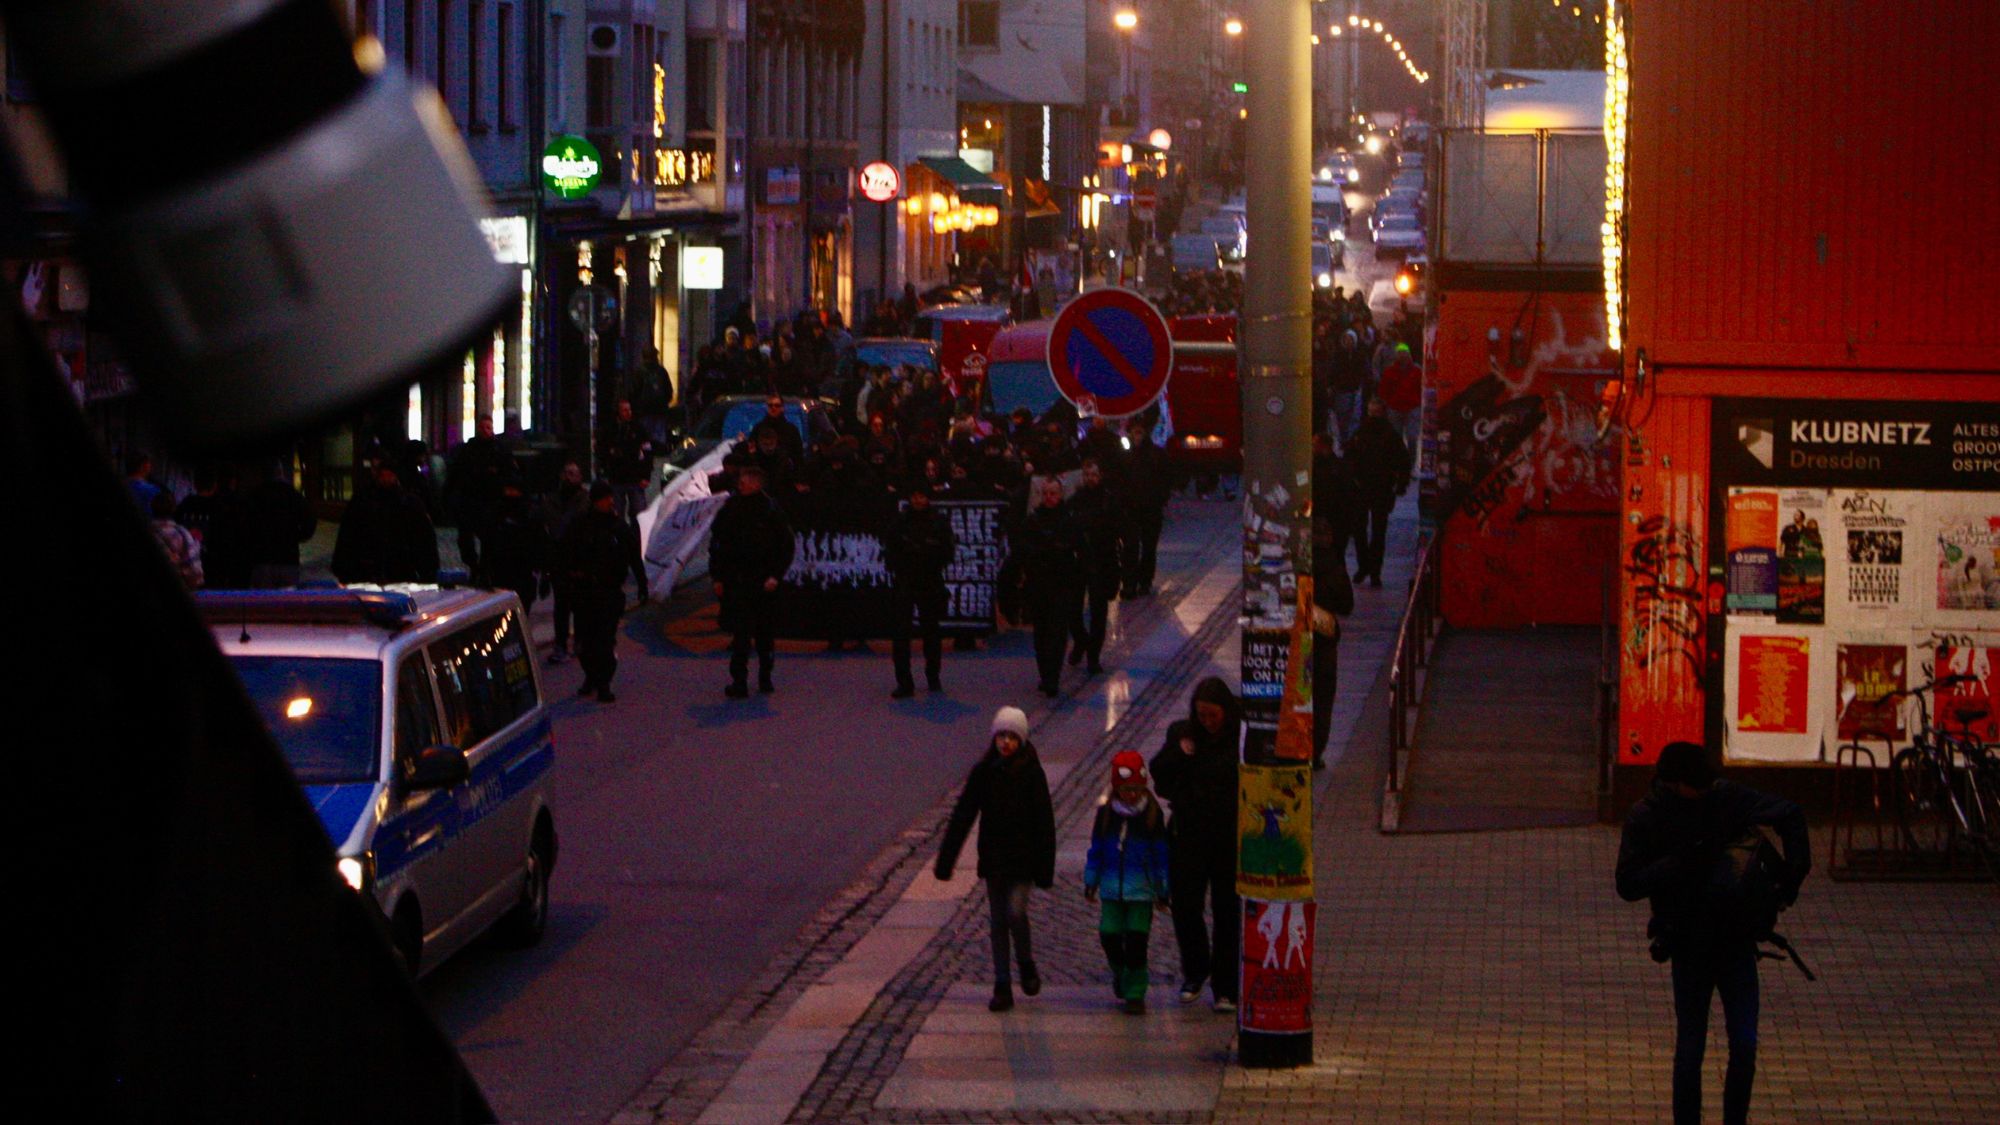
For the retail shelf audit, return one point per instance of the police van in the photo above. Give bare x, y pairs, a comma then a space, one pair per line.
414, 719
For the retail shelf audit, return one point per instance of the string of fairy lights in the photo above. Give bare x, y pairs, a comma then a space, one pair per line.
1362, 25
1617, 117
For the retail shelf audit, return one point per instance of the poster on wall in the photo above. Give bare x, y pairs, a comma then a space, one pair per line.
1274, 832
1968, 707
1865, 675
1801, 557
1750, 534
1872, 549
1968, 564
1277, 966
1774, 675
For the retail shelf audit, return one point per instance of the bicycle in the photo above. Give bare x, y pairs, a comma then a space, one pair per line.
1947, 783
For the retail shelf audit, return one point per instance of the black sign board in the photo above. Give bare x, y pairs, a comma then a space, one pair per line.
839, 585
1927, 446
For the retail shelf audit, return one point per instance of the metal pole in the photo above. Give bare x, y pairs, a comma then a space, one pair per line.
889, 155
1275, 1019
808, 181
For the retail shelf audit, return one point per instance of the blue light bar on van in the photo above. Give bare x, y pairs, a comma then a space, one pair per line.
385, 608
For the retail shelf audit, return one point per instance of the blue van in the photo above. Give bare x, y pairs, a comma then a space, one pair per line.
414, 719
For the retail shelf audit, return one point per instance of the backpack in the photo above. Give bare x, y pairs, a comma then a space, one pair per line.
1747, 890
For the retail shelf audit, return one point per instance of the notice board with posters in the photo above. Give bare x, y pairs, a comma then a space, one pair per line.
1855, 552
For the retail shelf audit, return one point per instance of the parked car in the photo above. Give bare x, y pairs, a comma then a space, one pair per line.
1195, 253
1399, 236
1204, 406
897, 351
1017, 369
732, 416
415, 722
961, 332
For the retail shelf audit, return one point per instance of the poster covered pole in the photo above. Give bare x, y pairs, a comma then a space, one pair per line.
1274, 855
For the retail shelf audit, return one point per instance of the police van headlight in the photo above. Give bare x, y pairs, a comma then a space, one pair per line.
357, 871
1325, 281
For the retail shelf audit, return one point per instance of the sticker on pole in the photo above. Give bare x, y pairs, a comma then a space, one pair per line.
1110, 353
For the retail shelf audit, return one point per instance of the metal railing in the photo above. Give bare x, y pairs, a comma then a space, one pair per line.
1409, 675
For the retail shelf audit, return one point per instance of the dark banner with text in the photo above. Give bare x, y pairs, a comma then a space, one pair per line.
839, 585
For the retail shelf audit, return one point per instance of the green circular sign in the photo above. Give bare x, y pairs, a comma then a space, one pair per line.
571, 166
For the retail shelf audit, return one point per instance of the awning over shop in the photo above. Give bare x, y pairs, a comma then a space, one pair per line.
959, 174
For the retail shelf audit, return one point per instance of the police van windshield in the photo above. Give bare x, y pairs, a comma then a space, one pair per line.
325, 714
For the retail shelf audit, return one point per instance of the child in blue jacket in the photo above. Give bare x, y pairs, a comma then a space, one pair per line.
1126, 873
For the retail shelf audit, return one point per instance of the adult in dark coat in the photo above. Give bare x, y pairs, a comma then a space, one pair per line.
1045, 562
277, 518
559, 508
1672, 849
919, 547
750, 548
1149, 485
517, 545
1104, 523
386, 535
1195, 773
478, 470
781, 428
593, 557
1381, 465
628, 460
1336, 508
1008, 794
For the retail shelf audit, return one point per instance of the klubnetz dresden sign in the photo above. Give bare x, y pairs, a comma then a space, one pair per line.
1942, 446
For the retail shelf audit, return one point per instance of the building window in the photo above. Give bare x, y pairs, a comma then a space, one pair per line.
503, 68
700, 84
600, 73
979, 23
475, 18
642, 73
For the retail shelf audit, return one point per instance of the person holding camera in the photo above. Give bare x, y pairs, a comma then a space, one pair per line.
1694, 848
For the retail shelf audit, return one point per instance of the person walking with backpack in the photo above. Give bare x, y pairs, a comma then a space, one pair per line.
1694, 848
1126, 874
1008, 794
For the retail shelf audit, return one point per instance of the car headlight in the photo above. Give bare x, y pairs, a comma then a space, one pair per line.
356, 871
1326, 281
1354, 175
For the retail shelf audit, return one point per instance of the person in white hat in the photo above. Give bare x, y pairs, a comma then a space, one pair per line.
1008, 794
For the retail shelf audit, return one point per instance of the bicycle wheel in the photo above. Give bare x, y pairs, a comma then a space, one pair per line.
1925, 809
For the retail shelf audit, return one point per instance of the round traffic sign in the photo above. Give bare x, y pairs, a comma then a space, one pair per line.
1109, 350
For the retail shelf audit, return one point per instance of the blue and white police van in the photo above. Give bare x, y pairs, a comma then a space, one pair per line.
414, 719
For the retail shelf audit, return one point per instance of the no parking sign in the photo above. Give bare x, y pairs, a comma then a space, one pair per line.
1110, 353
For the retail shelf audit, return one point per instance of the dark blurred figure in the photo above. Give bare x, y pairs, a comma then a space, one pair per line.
1381, 465
593, 557
919, 548
276, 519
1149, 483
386, 535
517, 546
1045, 562
479, 469
1103, 522
560, 508
750, 549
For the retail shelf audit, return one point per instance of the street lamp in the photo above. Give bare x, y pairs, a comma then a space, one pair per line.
1233, 26
1126, 20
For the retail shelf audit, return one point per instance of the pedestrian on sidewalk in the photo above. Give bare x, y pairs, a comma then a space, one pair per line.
1381, 466
386, 534
1126, 873
1333, 598
1677, 852
749, 550
919, 547
1151, 484
593, 558
1196, 774
1008, 794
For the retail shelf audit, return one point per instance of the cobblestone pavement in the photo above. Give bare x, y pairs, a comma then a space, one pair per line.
1469, 977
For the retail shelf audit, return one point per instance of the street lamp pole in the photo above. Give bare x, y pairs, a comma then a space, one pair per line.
1274, 877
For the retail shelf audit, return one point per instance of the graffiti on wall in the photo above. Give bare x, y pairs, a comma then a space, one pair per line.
1668, 622
1528, 441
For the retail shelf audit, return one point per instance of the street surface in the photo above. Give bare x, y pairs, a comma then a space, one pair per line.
699, 835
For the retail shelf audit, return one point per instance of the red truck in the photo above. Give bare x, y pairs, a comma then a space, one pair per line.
963, 335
